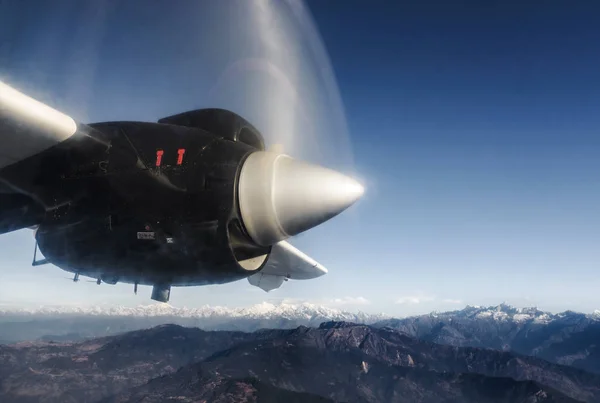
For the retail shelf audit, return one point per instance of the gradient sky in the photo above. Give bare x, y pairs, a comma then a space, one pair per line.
473, 125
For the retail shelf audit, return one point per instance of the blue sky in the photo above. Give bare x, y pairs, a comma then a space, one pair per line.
473, 125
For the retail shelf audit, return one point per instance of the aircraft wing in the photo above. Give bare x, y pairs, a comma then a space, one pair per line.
286, 262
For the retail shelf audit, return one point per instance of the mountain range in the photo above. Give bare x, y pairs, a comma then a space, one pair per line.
568, 338
300, 352
76, 323
263, 311
337, 361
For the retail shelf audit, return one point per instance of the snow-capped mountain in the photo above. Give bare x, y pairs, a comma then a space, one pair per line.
508, 313
262, 311
74, 323
568, 338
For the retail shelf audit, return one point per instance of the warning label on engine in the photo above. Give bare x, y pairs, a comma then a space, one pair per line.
145, 235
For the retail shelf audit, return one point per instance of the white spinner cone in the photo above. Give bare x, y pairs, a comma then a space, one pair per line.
280, 197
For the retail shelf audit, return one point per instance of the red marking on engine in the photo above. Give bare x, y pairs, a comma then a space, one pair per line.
159, 154
180, 153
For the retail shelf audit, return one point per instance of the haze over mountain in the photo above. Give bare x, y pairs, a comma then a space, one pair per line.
74, 323
264, 310
499, 327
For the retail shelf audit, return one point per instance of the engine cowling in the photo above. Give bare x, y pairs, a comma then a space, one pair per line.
220, 122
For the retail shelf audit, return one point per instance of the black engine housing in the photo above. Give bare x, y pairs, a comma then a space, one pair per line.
143, 211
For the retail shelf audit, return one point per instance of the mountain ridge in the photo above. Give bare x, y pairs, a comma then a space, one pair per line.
567, 338
338, 361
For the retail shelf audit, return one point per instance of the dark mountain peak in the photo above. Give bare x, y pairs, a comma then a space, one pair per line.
168, 327
338, 325
154, 335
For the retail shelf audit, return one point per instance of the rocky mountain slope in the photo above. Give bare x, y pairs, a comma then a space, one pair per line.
338, 361
186, 386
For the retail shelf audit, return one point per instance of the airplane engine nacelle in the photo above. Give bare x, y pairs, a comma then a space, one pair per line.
185, 201
176, 182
